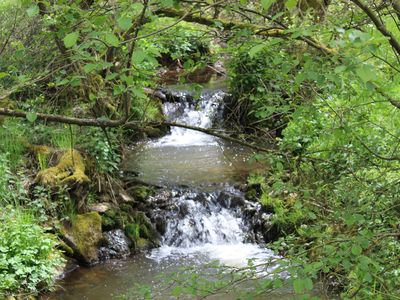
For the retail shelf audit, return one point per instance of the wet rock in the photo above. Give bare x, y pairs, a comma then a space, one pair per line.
117, 245
183, 210
69, 266
160, 223
230, 200
153, 132
160, 200
253, 192
203, 198
83, 235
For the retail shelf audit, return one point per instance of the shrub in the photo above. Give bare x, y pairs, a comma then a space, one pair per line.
28, 259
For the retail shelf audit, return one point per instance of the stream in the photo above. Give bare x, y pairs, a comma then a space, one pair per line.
205, 218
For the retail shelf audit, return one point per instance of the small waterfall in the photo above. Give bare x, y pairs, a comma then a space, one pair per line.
199, 113
214, 224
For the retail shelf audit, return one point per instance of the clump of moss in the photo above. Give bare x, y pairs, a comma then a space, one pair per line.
84, 235
141, 192
69, 170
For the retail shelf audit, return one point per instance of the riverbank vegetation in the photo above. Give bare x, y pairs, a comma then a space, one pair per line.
316, 82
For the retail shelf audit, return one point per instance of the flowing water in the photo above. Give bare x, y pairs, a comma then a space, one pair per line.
204, 215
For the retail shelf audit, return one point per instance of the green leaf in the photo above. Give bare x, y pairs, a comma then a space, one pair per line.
31, 117
188, 64
298, 285
256, 49
139, 93
138, 56
112, 39
356, 250
308, 284
32, 11
90, 67
266, 4
71, 39
124, 23
366, 73
2, 75
167, 3
290, 4
340, 69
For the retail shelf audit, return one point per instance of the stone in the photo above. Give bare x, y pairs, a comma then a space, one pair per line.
100, 207
143, 244
125, 197
117, 245
230, 200
84, 235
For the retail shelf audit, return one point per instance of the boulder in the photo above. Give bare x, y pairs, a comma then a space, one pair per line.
83, 234
117, 245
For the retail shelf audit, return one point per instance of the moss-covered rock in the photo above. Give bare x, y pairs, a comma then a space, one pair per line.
132, 231
140, 192
143, 244
146, 228
84, 235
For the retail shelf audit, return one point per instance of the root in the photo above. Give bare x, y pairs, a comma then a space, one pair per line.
69, 170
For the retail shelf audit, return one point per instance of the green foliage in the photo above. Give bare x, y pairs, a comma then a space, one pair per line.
12, 191
13, 141
28, 260
103, 148
64, 137
185, 41
269, 80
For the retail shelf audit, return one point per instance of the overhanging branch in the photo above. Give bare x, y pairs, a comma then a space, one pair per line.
103, 123
229, 25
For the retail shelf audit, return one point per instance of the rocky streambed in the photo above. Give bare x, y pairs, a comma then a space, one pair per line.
184, 203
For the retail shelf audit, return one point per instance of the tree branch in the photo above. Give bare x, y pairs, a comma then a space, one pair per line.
379, 25
229, 25
103, 123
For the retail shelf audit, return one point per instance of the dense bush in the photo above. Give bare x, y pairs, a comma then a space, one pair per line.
28, 259
268, 80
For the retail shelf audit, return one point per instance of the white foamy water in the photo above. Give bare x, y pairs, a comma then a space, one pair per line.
232, 255
201, 229
198, 113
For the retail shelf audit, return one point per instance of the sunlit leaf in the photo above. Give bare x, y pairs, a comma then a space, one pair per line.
71, 39
124, 23
112, 39
31, 117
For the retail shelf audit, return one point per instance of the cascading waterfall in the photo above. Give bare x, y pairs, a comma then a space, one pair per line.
204, 224
199, 208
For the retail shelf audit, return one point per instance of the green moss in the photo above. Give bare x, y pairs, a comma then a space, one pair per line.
71, 162
66, 249
132, 231
85, 234
141, 192
108, 223
143, 244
